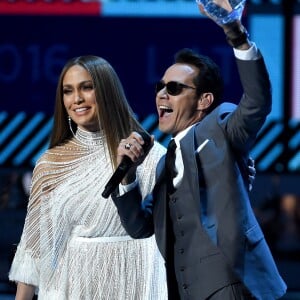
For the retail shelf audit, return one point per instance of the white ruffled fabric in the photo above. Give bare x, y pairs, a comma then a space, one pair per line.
73, 245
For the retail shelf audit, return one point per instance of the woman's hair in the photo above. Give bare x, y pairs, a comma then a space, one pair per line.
208, 80
115, 115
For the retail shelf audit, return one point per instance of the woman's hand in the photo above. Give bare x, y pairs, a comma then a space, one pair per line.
132, 147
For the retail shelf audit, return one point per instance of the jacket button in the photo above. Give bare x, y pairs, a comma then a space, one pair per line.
179, 217
181, 250
182, 269
185, 286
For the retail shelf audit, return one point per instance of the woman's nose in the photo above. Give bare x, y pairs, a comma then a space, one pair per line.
78, 99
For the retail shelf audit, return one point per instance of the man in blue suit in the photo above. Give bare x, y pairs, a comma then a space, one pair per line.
204, 226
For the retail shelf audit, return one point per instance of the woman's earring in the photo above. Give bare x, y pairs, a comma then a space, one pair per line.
70, 125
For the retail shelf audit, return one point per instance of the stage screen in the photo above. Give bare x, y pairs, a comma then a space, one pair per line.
267, 31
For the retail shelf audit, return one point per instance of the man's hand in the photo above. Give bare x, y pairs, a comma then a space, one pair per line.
236, 33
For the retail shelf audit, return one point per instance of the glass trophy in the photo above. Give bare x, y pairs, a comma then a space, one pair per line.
223, 11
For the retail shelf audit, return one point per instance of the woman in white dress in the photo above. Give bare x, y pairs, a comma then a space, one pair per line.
73, 245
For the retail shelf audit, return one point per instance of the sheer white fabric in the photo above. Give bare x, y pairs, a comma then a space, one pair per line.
73, 245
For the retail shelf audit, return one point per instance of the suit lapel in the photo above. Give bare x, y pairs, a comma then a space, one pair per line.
187, 145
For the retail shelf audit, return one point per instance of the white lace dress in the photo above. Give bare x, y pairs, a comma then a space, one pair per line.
73, 245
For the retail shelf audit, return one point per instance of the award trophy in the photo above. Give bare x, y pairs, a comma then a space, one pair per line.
223, 11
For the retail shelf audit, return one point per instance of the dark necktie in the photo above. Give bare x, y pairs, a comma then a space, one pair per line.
170, 166
170, 172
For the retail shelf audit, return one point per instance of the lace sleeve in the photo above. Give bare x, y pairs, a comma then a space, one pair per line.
25, 266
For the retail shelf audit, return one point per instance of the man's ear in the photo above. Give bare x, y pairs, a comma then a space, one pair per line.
205, 101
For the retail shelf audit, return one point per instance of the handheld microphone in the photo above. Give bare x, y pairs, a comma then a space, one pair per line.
124, 167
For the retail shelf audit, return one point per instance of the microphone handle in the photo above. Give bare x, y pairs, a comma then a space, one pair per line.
117, 176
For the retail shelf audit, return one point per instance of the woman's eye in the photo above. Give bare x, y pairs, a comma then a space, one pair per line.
65, 91
88, 87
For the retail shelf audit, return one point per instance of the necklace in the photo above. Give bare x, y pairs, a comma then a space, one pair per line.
89, 138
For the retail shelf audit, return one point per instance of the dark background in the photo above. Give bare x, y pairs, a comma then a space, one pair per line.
33, 50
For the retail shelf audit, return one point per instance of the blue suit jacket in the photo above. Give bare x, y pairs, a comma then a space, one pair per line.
217, 234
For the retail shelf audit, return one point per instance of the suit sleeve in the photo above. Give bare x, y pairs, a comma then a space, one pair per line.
245, 122
135, 214
135, 207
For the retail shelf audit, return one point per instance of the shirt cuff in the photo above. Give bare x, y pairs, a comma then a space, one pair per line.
251, 54
126, 188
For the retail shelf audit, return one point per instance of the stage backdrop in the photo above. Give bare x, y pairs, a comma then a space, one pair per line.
33, 50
